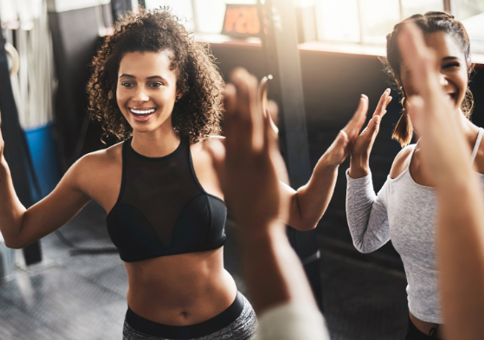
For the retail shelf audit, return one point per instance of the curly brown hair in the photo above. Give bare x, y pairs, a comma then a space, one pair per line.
198, 113
429, 22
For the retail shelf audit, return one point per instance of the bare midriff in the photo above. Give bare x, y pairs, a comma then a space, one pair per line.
180, 290
425, 327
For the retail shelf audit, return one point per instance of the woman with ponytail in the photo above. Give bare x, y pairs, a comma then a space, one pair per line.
404, 209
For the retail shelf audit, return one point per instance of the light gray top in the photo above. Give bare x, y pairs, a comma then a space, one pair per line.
292, 321
403, 211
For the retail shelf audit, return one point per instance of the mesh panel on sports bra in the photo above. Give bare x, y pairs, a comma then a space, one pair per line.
162, 208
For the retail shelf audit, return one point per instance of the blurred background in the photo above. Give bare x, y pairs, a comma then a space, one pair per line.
72, 285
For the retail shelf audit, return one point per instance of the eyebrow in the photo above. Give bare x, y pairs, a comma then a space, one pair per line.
131, 76
449, 58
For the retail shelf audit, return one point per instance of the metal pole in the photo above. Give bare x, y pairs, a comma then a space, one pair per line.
279, 39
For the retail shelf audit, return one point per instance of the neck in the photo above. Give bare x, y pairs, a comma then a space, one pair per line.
470, 130
158, 143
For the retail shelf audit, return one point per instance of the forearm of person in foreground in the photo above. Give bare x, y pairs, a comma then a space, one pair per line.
460, 212
251, 169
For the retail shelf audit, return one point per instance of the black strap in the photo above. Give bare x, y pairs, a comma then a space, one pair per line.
16, 149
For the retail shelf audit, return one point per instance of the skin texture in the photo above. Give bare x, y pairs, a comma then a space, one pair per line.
450, 70
460, 217
250, 174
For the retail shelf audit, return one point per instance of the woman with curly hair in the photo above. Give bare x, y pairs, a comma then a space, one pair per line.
159, 92
405, 208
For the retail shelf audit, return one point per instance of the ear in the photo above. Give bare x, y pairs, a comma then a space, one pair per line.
179, 96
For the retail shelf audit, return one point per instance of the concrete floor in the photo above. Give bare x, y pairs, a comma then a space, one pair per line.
79, 297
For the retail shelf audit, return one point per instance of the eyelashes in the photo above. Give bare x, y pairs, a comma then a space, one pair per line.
450, 65
153, 85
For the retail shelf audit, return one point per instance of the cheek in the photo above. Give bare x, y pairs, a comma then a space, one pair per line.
120, 98
461, 81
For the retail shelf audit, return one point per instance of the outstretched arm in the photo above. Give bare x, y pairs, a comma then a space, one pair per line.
20, 226
308, 203
460, 214
250, 176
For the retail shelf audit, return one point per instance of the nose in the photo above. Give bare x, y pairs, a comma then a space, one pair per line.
443, 80
140, 95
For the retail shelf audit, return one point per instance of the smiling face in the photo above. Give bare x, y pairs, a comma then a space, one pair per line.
146, 90
452, 67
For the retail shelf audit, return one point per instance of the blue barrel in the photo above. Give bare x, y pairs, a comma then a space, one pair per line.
43, 150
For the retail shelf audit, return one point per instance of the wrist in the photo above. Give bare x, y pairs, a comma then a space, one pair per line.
326, 163
359, 167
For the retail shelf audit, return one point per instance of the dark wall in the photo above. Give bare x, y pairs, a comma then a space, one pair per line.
332, 85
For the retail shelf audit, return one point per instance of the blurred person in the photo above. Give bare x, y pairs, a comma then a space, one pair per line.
405, 207
159, 92
249, 173
460, 213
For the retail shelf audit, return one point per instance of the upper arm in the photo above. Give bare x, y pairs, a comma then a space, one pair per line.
57, 208
401, 161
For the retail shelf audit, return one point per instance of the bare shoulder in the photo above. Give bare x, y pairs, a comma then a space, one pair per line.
212, 145
101, 159
400, 163
97, 168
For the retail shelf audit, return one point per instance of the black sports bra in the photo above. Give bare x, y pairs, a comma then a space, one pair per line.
162, 209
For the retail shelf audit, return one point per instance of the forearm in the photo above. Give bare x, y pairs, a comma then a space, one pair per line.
310, 201
11, 209
366, 214
359, 166
460, 256
273, 272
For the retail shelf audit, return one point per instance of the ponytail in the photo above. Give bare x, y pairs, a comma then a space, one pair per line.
403, 131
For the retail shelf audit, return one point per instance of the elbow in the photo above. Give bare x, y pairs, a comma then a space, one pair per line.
362, 247
13, 244
13, 241
306, 226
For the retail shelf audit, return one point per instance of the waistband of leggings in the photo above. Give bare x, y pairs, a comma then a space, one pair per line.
416, 333
198, 330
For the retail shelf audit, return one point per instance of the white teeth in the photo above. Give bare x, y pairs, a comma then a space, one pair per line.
142, 112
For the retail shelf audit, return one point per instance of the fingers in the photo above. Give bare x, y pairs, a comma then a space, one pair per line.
262, 94
354, 126
385, 99
419, 60
247, 113
272, 145
230, 116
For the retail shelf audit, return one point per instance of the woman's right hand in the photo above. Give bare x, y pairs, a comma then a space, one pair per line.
360, 152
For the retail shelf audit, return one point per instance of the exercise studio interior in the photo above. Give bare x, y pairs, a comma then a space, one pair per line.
241, 169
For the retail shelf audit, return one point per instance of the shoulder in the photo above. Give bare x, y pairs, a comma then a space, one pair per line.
100, 158
400, 163
479, 160
96, 165
209, 147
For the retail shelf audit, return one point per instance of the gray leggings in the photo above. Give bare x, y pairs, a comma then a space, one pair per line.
242, 328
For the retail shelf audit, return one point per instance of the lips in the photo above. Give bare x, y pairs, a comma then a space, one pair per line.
141, 114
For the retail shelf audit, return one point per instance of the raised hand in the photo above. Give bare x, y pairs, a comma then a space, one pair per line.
253, 163
340, 148
361, 148
262, 93
431, 112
